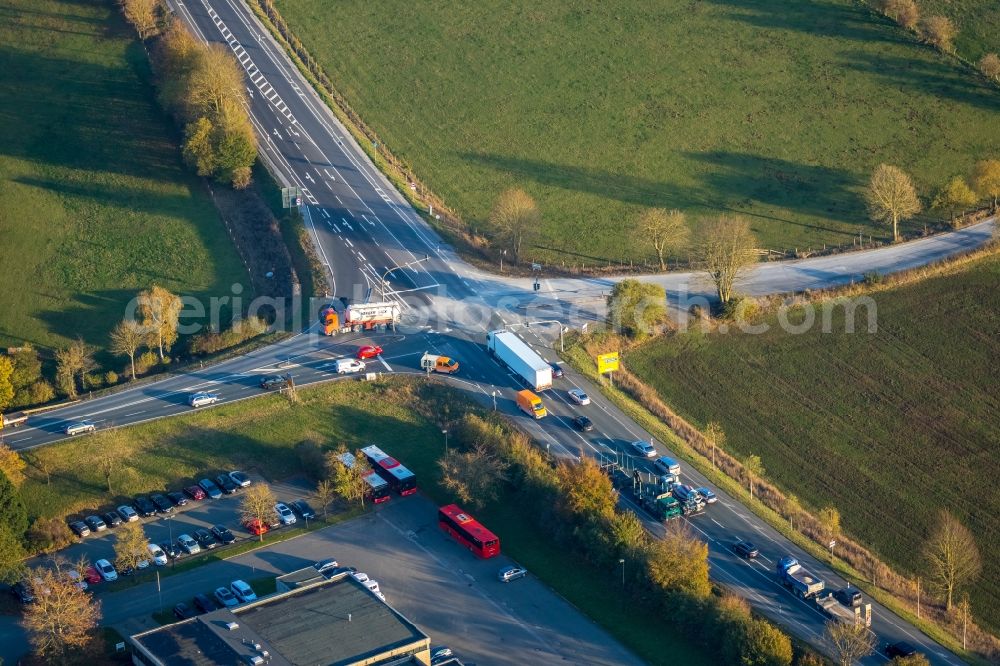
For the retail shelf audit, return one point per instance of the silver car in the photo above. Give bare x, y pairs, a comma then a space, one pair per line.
510, 573
644, 449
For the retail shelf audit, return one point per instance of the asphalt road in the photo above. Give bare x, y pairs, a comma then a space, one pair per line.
363, 230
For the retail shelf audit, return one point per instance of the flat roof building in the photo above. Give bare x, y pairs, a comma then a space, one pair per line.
315, 621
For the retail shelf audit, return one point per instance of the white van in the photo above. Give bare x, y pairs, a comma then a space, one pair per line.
346, 365
667, 465
79, 428
202, 399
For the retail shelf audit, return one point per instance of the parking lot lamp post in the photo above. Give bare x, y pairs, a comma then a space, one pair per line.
621, 561
444, 431
170, 531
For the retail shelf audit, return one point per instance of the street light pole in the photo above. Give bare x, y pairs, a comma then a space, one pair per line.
444, 431
494, 400
621, 561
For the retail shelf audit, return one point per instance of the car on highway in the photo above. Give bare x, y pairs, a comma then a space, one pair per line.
242, 591
225, 597
155, 552
95, 523
223, 534
210, 488
578, 396
205, 539
92, 575
285, 514
510, 573
163, 504
79, 528
79, 427
178, 499
195, 492
127, 513
202, 399
188, 545
745, 549
227, 484
643, 448
583, 424
707, 495
242, 479
204, 604
183, 612
301, 507
325, 565
557, 371
107, 571
344, 366
144, 507
171, 550
255, 527
368, 351
271, 382
112, 518
899, 649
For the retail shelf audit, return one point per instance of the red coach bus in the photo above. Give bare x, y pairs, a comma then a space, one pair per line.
402, 480
378, 489
467, 531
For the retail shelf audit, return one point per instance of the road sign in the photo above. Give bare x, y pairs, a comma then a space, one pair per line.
607, 362
833, 543
291, 197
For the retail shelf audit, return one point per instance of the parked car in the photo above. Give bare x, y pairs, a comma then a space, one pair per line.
183, 612
745, 549
112, 518
579, 397
177, 498
440, 654
188, 545
227, 484
107, 571
210, 489
271, 382
302, 508
172, 550
707, 495
195, 492
95, 523
79, 528
510, 573
899, 649
583, 424
204, 604
256, 527
243, 591
285, 514
22, 592
205, 539
163, 504
644, 449
144, 507
127, 513
222, 533
326, 565
557, 371
79, 427
240, 478
92, 575
225, 598
155, 552
74, 577
346, 365
368, 351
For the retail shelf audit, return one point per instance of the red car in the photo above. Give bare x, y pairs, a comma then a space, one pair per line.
92, 576
255, 527
195, 492
368, 351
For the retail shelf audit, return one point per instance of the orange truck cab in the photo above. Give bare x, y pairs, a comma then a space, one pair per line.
531, 404
435, 363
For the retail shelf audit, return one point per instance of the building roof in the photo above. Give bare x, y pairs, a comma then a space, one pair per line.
208, 639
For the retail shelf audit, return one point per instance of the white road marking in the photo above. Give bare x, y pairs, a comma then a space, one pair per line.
382, 361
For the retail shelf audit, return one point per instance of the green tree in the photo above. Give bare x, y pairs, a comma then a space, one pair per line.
13, 514
728, 249
516, 218
891, 197
130, 546
829, 520
236, 150
257, 506
27, 372
911, 660
215, 81
666, 231
199, 147
127, 339
12, 465
986, 180
347, 473
475, 476
765, 645
6, 385
637, 309
587, 495
956, 195
144, 16
679, 563
12, 556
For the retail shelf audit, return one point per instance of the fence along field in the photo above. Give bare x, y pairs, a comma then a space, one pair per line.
775, 110
94, 202
888, 428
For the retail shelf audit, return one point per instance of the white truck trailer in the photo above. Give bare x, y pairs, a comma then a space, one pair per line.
514, 353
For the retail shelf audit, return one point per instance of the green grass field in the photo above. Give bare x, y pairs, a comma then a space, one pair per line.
774, 110
261, 436
978, 23
889, 427
94, 201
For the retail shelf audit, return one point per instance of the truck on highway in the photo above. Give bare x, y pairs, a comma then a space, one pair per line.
831, 606
796, 578
13, 420
365, 316
435, 363
515, 354
655, 498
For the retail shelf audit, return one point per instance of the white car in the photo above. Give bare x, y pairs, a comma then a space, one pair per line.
202, 399
127, 513
188, 545
225, 598
79, 427
159, 557
346, 365
243, 591
644, 449
285, 514
707, 495
579, 397
107, 571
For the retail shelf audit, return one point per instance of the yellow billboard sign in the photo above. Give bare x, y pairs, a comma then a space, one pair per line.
607, 362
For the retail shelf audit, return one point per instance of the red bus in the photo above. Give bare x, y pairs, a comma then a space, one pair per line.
378, 489
467, 531
402, 480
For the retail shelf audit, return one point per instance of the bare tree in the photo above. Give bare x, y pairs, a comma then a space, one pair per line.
62, 616
257, 507
851, 641
939, 31
727, 250
989, 65
72, 363
986, 179
665, 229
131, 546
715, 436
143, 15
127, 339
160, 311
952, 556
475, 476
326, 492
956, 195
110, 453
753, 468
516, 217
891, 197
215, 82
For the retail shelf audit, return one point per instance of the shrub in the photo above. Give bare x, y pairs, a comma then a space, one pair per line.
938, 31
110, 378
93, 380
38, 393
903, 12
989, 65
146, 362
740, 308
47, 535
